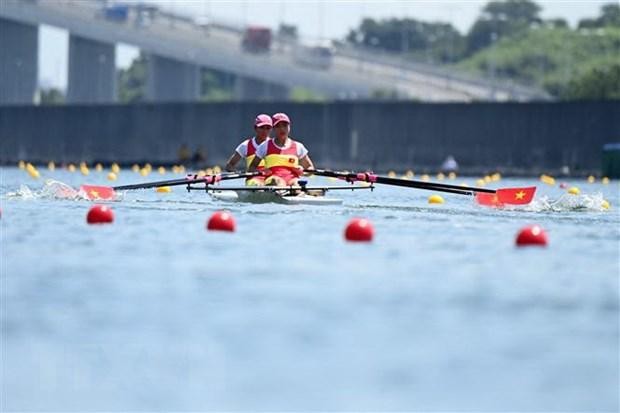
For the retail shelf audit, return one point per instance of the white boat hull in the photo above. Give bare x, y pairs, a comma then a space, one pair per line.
265, 197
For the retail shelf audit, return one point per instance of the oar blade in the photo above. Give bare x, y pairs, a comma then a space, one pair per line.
95, 192
516, 196
507, 196
490, 200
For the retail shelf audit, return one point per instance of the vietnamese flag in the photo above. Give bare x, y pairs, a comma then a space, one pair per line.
93, 192
507, 196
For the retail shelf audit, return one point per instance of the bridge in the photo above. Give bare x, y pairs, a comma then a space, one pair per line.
177, 47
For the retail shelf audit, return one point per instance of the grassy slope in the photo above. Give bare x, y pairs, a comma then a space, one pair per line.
549, 57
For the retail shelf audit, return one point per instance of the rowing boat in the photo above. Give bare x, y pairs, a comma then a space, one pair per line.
268, 196
302, 194
291, 195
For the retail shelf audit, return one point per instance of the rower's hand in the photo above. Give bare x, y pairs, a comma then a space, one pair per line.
299, 171
265, 172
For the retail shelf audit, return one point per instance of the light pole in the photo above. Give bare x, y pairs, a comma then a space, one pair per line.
492, 65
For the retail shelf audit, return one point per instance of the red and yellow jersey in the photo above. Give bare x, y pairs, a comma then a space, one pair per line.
247, 150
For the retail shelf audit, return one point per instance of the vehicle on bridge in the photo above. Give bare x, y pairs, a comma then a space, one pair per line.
319, 57
116, 12
256, 39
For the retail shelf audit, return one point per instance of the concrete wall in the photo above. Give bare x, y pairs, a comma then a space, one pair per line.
484, 136
19, 46
92, 71
171, 80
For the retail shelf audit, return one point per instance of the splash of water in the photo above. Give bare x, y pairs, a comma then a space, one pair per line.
51, 190
567, 202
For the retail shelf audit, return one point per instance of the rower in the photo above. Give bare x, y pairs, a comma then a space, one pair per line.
285, 159
247, 148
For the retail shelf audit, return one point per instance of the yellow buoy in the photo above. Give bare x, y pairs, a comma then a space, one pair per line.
21, 164
573, 190
496, 177
425, 178
452, 175
435, 199
32, 171
84, 170
163, 189
181, 169
605, 180
135, 168
161, 170
591, 179
112, 176
144, 172
405, 177
546, 179
409, 174
51, 166
440, 176
217, 169
148, 166
71, 168
115, 168
605, 204
201, 173
98, 167
487, 179
391, 174
480, 182
209, 171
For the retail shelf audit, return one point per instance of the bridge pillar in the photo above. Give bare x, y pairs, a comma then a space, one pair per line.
19, 47
247, 88
92, 71
171, 80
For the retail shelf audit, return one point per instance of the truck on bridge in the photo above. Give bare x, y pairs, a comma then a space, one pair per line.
256, 39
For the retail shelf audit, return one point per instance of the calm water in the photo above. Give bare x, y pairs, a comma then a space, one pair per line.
440, 312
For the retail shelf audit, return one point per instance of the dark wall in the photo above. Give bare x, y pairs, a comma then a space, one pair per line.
482, 136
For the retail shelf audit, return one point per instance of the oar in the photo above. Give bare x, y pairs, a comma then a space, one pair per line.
94, 192
484, 196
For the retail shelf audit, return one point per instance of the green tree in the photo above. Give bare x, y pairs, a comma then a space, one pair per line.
132, 81
287, 31
441, 41
610, 17
502, 19
51, 96
597, 83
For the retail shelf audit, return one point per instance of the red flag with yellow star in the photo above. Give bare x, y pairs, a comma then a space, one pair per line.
94, 192
507, 196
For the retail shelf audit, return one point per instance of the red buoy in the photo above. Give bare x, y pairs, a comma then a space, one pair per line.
100, 214
359, 230
221, 221
532, 235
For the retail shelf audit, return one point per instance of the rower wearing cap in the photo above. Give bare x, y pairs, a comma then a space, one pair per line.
285, 159
247, 148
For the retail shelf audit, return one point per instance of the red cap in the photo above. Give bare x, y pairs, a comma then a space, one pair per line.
262, 120
280, 117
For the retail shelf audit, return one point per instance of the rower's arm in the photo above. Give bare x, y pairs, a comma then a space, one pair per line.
254, 165
232, 162
306, 162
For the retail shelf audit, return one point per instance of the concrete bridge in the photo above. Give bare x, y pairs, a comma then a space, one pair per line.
177, 47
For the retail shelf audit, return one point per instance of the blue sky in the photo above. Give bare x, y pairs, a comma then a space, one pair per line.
315, 19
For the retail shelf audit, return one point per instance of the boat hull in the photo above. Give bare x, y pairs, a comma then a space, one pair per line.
266, 197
